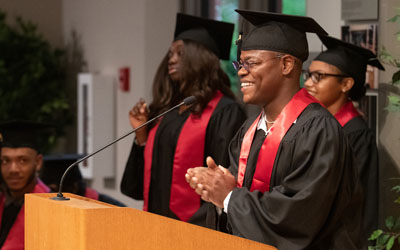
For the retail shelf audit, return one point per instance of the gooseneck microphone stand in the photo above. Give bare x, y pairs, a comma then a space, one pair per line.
60, 197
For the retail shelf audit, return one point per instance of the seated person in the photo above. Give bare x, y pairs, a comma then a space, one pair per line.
20, 161
54, 167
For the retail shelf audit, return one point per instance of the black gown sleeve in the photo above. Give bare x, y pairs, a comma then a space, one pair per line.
363, 144
221, 129
312, 184
213, 219
10, 214
132, 179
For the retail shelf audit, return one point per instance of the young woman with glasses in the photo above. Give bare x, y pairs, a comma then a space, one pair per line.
336, 77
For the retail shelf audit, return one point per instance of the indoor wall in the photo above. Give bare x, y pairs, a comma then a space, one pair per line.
115, 34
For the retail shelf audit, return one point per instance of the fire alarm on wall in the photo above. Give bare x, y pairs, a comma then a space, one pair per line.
124, 79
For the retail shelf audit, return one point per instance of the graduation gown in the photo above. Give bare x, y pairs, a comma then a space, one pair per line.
12, 231
363, 144
314, 199
226, 119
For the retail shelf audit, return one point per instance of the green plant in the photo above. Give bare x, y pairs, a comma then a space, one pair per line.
32, 78
386, 57
385, 239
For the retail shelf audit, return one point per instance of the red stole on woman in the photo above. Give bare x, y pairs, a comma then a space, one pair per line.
346, 113
15, 238
189, 153
269, 148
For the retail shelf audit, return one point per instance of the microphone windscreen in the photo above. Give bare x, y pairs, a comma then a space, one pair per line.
189, 100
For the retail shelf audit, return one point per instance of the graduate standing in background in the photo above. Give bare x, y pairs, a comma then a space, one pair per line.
20, 161
291, 183
336, 77
162, 153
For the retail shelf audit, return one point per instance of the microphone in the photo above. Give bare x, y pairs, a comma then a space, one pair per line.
60, 197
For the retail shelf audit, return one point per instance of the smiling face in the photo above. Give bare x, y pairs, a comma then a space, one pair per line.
262, 79
19, 166
175, 55
332, 91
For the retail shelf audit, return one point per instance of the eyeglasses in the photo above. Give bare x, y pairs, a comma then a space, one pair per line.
317, 76
247, 66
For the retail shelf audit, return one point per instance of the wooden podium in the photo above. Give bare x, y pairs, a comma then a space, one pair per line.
83, 224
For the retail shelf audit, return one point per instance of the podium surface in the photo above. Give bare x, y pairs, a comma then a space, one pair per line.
83, 224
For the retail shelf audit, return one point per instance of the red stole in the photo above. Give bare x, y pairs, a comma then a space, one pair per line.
15, 238
269, 149
148, 157
189, 153
346, 113
91, 193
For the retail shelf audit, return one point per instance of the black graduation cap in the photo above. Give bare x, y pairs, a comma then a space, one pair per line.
215, 35
19, 133
54, 167
351, 59
278, 32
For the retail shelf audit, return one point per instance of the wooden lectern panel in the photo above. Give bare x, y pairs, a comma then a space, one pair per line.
83, 224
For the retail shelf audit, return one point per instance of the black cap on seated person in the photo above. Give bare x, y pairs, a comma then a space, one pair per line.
351, 59
277, 32
21, 134
54, 167
214, 35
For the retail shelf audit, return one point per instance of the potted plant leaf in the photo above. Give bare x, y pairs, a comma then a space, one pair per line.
32, 78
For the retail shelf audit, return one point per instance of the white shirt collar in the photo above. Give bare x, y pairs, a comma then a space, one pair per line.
263, 125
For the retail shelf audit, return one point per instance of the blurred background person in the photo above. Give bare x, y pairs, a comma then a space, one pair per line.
54, 166
21, 159
336, 77
183, 138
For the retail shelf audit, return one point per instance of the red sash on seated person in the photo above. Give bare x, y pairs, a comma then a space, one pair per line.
91, 193
15, 238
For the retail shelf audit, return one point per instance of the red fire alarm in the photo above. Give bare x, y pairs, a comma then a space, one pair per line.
124, 79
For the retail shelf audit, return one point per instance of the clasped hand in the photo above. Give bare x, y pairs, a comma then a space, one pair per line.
213, 183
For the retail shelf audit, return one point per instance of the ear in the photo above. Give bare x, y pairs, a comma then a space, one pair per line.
39, 162
348, 83
288, 63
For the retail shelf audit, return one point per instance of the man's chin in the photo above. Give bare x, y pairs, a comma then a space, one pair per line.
16, 187
248, 100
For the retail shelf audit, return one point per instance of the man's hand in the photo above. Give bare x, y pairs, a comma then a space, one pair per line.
194, 175
213, 183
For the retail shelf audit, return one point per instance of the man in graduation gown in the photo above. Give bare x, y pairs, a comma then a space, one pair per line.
20, 161
54, 167
291, 183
